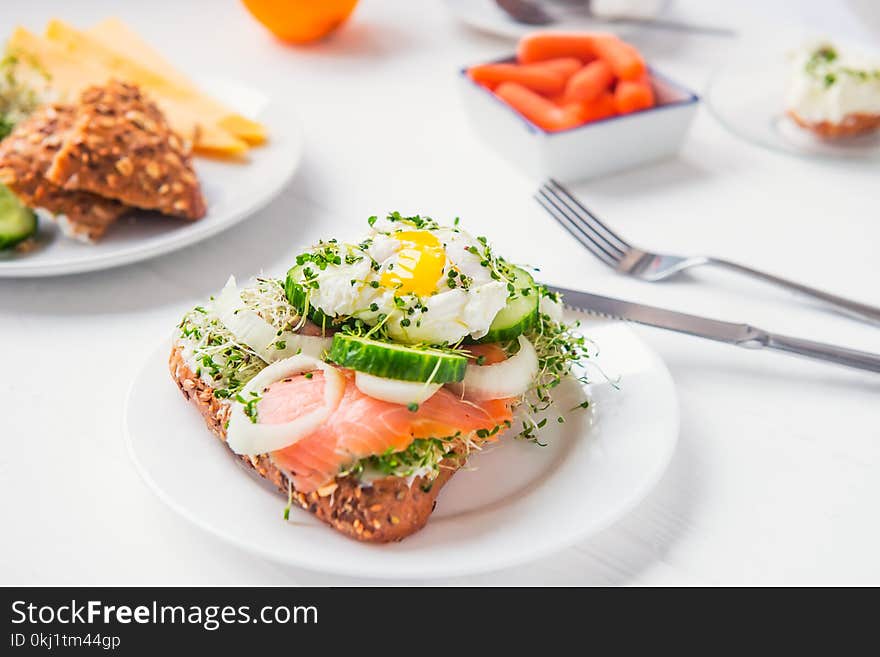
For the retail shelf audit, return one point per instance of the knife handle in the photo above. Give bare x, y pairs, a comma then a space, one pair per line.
820, 351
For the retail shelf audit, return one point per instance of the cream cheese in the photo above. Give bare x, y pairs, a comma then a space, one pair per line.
827, 83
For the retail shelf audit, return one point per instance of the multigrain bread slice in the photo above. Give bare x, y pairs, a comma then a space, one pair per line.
389, 509
120, 146
852, 125
25, 156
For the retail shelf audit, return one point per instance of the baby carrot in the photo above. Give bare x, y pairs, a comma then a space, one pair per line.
567, 66
633, 96
624, 59
589, 83
600, 107
538, 109
540, 46
543, 80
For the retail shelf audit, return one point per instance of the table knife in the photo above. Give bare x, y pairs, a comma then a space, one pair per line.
741, 335
530, 12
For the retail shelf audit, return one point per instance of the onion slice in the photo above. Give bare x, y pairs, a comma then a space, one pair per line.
246, 437
252, 330
553, 309
393, 390
509, 378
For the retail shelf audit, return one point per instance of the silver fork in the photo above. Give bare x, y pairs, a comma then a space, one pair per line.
615, 252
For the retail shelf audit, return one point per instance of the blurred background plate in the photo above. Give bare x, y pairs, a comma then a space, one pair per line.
747, 96
233, 190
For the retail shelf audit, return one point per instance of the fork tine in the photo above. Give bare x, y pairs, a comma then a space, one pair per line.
584, 226
586, 216
581, 236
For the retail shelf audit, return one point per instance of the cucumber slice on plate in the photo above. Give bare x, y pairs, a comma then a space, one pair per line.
396, 361
17, 222
298, 297
519, 314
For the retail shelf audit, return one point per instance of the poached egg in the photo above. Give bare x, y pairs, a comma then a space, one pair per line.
424, 283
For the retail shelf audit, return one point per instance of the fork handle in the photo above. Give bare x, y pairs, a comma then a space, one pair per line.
844, 305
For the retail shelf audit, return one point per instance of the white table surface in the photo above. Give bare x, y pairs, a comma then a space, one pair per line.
775, 480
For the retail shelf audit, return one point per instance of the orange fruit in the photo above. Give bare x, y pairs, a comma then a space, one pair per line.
300, 21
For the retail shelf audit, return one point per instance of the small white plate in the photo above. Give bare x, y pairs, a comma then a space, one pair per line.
487, 16
747, 97
516, 502
589, 150
233, 190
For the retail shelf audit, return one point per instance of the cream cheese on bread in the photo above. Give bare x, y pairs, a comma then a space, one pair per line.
829, 83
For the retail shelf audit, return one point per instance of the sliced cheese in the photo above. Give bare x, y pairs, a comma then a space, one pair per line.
68, 76
70, 73
242, 127
115, 35
194, 116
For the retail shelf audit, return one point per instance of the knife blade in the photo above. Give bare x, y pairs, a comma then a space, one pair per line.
522, 11
530, 12
741, 335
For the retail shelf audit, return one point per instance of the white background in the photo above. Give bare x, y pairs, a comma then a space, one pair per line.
776, 476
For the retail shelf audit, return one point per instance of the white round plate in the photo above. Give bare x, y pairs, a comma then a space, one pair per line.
233, 190
748, 98
516, 501
487, 16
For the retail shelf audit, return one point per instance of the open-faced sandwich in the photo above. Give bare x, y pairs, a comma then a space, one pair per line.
363, 381
834, 92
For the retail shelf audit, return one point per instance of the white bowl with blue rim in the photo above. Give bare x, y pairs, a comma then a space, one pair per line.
589, 150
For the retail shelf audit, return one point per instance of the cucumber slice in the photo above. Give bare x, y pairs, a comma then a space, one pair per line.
17, 222
519, 314
298, 297
396, 361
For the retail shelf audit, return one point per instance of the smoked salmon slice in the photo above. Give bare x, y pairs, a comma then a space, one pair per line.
362, 426
490, 353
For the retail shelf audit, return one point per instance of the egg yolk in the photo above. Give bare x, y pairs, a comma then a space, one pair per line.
419, 264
